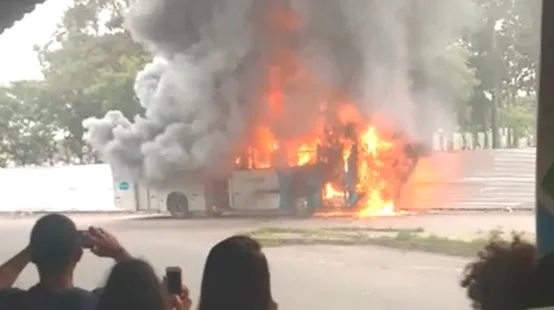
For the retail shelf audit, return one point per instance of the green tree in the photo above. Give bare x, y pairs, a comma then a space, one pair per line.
452, 75
89, 68
519, 117
28, 125
504, 52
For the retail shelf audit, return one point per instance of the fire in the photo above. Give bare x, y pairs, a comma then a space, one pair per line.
331, 192
380, 164
367, 175
376, 173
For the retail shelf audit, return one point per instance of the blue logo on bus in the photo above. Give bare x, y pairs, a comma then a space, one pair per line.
123, 186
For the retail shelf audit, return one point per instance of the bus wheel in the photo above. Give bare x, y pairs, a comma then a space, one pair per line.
177, 204
302, 208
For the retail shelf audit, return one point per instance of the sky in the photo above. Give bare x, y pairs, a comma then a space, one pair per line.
17, 59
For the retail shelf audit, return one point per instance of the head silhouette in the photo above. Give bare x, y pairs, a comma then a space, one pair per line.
502, 276
54, 244
133, 285
236, 277
543, 281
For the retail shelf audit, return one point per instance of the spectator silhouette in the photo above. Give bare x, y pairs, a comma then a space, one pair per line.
502, 276
55, 248
542, 294
236, 277
133, 285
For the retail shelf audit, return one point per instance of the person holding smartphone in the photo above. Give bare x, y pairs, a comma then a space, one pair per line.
55, 247
178, 293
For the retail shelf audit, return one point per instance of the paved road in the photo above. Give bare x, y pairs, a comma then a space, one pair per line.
303, 277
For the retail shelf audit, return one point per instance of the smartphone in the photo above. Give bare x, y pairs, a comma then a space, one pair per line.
173, 280
84, 239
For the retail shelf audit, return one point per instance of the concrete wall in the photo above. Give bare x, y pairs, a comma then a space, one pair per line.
69, 188
502, 178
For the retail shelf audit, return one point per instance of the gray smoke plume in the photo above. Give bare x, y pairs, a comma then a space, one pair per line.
204, 92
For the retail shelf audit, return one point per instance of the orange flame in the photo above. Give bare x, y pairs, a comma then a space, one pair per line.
380, 156
377, 174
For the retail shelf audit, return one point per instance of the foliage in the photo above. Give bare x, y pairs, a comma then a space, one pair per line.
520, 116
27, 125
456, 79
504, 52
90, 66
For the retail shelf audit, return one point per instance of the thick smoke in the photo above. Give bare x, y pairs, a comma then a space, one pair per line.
203, 93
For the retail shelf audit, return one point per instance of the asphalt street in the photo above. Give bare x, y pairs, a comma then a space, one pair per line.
303, 277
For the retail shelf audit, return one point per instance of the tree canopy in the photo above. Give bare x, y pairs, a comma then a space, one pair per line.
89, 67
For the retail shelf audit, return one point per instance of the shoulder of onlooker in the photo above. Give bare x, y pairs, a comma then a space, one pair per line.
82, 295
74, 298
78, 298
10, 292
10, 298
81, 291
97, 291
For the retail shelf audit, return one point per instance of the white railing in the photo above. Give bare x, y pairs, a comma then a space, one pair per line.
443, 141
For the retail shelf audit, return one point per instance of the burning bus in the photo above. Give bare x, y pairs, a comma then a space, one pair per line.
274, 105
351, 168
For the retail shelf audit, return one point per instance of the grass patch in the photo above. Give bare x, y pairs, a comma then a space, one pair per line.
432, 244
330, 230
407, 239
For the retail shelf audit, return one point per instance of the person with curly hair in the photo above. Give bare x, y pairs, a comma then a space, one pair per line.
504, 276
543, 283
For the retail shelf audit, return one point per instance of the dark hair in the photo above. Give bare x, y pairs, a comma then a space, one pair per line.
236, 277
54, 243
502, 276
544, 282
133, 285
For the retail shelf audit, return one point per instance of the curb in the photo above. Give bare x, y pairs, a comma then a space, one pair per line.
21, 214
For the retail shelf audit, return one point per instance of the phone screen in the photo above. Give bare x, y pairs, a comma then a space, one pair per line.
84, 239
174, 281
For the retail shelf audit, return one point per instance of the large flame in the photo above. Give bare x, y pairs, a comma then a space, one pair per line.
381, 165
380, 158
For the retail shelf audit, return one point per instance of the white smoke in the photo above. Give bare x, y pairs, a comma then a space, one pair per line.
203, 91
